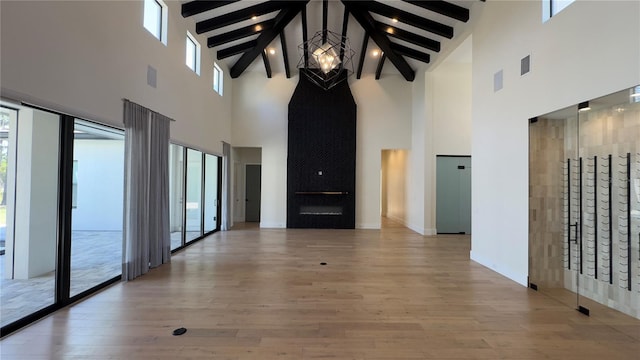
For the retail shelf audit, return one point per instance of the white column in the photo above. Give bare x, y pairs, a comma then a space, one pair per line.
36, 189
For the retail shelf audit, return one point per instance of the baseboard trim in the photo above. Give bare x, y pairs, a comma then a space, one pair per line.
272, 225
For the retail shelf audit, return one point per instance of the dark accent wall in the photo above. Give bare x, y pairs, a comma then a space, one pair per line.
321, 163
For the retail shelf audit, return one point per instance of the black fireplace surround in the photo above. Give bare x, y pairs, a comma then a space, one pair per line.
321, 163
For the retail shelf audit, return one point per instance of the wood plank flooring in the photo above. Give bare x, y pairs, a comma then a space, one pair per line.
262, 294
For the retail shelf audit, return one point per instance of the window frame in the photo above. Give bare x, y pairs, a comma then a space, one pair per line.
218, 79
196, 53
549, 10
164, 13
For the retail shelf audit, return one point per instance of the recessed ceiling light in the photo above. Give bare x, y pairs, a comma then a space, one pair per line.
254, 17
390, 30
394, 20
375, 53
272, 51
258, 28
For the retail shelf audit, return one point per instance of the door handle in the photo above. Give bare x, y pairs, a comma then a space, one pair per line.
574, 240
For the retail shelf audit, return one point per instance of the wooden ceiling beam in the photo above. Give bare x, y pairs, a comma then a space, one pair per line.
345, 25
236, 49
305, 37
241, 15
406, 17
285, 56
283, 18
359, 11
239, 33
383, 57
409, 37
444, 8
363, 54
267, 64
199, 6
325, 15
412, 53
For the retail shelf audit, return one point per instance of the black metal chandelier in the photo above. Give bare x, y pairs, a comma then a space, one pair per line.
327, 59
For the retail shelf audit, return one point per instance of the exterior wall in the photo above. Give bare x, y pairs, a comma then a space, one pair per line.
84, 57
100, 186
571, 61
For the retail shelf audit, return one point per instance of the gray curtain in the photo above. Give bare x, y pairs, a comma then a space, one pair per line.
226, 187
146, 204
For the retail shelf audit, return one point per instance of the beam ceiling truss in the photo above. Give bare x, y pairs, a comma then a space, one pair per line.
362, 16
381, 29
281, 20
241, 15
216, 40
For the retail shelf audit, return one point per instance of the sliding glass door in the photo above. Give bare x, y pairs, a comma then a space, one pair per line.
29, 162
211, 192
176, 195
194, 195
97, 202
61, 208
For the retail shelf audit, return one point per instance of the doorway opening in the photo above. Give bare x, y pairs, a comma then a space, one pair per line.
393, 188
247, 184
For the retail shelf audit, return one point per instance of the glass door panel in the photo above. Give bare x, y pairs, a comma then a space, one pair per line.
194, 195
176, 194
584, 233
211, 200
97, 202
29, 162
551, 210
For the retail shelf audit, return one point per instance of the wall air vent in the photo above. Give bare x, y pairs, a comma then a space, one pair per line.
151, 76
525, 65
497, 81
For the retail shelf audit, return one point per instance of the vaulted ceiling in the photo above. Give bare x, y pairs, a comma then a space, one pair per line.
386, 36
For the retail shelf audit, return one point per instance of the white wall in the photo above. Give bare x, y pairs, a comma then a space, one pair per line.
83, 57
590, 49
260, 108
451, 99
383, 122
416, 157
441, 125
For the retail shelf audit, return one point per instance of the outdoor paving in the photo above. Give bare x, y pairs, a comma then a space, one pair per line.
96, 256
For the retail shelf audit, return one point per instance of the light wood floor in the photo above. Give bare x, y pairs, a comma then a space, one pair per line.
262, 294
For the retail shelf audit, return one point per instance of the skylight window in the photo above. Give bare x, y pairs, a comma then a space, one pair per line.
155, 19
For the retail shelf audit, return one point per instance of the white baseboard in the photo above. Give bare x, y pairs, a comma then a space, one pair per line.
272, 225
368, 226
